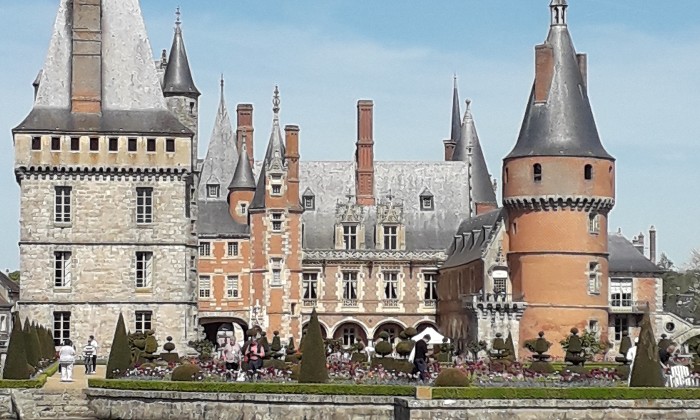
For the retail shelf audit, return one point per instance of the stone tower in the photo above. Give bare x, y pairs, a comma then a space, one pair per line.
106, 222
558, 188
276, 232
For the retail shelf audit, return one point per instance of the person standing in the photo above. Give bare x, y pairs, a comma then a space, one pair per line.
66, 358
232, 354
88, 352
631, 354
93, 343
254, 357
420, 359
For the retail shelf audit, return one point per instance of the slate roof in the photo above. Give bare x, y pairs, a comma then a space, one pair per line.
243, 178
468, 245
275, 150
178, 76
222, 155
624, 258
455, 132
132, 98
214, 220
564, 124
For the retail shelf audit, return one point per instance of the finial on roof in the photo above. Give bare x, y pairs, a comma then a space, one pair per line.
276, 101
469, 103
454, 77
558, 10
177, 17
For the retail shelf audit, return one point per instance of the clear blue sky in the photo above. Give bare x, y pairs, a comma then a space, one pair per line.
644, 73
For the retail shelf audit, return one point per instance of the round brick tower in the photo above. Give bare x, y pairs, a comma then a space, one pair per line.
558, 188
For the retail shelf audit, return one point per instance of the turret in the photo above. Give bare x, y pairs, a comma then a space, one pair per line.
181, 94
241, 189
558, 188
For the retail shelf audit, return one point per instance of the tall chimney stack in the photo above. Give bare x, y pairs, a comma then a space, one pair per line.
244, 130
364, 154
86, 57
652, 244
291, 139
449, 149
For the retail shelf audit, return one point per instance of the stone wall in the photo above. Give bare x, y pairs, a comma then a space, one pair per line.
32, 404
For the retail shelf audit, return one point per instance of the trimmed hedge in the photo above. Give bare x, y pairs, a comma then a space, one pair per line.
37, 382
256, 387
613, 393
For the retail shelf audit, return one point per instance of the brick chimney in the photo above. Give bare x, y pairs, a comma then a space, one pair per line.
291, 140
449, 149
652, 244
86, 58
364, 154
544, 71
244, 130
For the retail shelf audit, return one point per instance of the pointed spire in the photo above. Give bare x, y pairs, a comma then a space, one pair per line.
558, 119
243, 178
222, 153
178, 79
455, 134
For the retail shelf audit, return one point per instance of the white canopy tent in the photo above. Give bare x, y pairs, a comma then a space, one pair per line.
435, 337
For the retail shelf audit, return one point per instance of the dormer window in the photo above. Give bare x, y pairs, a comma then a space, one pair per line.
391, 237
244, 208
212, 191
427, 202
308, 199
276, 185
350, 236
537, 172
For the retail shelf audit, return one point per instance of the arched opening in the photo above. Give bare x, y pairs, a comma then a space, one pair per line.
421, 326
537, 172
588, 172
324, 333
349, 332
216, 328
391, 328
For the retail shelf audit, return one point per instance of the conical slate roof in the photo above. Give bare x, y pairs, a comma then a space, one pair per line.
131, 95
468, 149
222, 154
274, 155
178, 77
563, 125
243, 178
455, 133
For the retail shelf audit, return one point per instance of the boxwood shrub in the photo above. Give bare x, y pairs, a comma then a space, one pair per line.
256, 387
37, 382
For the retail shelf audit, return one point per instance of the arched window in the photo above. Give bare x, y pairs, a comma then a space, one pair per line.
588, 172
506, 176
537, 172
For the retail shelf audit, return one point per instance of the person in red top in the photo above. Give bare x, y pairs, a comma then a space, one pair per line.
254, 356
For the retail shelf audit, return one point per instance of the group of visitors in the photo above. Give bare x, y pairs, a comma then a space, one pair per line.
67, 356
234, 356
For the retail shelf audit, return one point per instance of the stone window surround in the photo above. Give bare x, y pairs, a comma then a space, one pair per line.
348, 278
593, 276
205, 249
61, 326
621, 286
593, 223
276, 265
309, 202
350, 235
310, 278
63, 205
425, 282
204, 283
62, 269
233, 249
620, 324
276, 185
233, 286
390, 278
143, 321
213, 190
144, 206
143, 273
277, 221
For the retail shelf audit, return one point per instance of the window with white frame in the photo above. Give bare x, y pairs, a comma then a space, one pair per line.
143, 321
593, 222
232, 249
309, 202
309, 284
62, 269
276, 272
349, 336
391, 237
3, 323
391, 285
276, 185
61, 327
205, 249
350, 236
212, 191
62, 205
276, 222
621, 325
593, 278
426, 202
144, 269
144, 205
620, 292
350, 285
430, 283
499, 285
244, 208
204, 287
232, 287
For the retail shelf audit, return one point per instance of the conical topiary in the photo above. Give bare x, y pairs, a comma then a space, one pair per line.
120, 353
50, 345
510, 347
313, 368
32, 344
16, 366
646, 369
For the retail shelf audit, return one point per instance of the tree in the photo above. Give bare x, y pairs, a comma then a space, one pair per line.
16, 366
682, 294
32, 344
14, 276
313, 369
665, 262
646, 370
120, 353
694, 263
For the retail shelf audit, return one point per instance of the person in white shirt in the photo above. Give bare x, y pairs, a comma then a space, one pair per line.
88, 352
66, 357
631, 354
93, 343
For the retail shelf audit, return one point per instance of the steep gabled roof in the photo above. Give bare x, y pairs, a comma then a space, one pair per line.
563, 124
274, 155
472, 238
625, 259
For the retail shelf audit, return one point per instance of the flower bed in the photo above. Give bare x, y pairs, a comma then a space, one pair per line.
588, 393
38, 381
